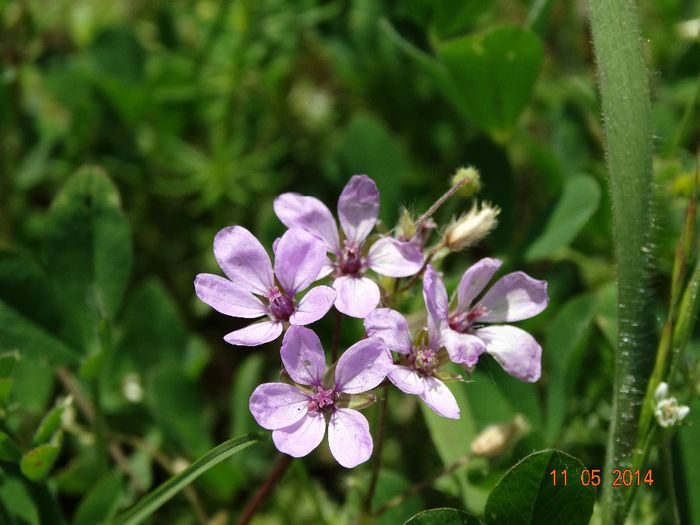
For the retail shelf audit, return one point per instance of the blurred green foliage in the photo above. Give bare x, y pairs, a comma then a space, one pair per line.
130, 132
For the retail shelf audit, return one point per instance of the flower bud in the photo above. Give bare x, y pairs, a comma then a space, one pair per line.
472, 227
470, 179
407, 226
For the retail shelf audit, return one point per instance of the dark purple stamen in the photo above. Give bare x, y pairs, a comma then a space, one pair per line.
350, 262
281, 304
463, 322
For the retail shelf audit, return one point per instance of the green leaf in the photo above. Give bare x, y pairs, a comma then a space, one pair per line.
526, 494
101, 503
578, 202
248, 376
38, 462
7, 367
50, 424
152, 501
88, 245
564, 342
493, 76
443, 517
30, 317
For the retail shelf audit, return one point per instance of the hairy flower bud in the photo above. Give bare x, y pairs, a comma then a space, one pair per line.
472, 227
470, 179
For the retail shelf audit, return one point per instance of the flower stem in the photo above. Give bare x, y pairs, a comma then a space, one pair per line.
336, 336
421, 485
376, 465
436, 205
280, 467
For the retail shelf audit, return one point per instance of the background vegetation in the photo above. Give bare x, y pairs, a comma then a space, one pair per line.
182, 117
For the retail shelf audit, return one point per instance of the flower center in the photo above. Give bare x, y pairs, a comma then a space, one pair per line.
350, 262
424, 360
281, 304
463, 322
322, 400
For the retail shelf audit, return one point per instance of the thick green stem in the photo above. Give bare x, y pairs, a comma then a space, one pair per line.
624, 92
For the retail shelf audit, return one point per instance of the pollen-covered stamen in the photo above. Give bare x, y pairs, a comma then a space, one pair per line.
281, 304
350, 262
463, 322
322, 400
424, 360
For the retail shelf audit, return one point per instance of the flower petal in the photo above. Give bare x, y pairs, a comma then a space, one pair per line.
277, 405
392, 327
314, 305
475, 280
406, 379
225, 297
435, 294
462, 348
298, 260
255, 334
302, 356
301, 438
349, 438
309, 213
362, 366
439, 398
358, 207
394, 258
514, 349
514, 297
243, 259
357, 296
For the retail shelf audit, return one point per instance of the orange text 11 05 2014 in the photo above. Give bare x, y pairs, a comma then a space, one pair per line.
593, 477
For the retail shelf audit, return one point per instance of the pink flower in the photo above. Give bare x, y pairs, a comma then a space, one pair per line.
514, 297
298, 414
416, 373
358, 208
298, 260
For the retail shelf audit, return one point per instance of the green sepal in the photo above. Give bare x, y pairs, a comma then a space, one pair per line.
356, 401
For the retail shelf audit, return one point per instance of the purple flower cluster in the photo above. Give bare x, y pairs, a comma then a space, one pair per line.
317, 397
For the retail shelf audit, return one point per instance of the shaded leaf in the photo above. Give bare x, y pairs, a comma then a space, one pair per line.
493, 75
88, 248
30, 317
578, 202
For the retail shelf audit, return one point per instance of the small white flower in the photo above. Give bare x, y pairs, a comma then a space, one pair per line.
668, 412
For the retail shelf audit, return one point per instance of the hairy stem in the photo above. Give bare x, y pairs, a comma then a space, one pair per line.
275, 475
626, 108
